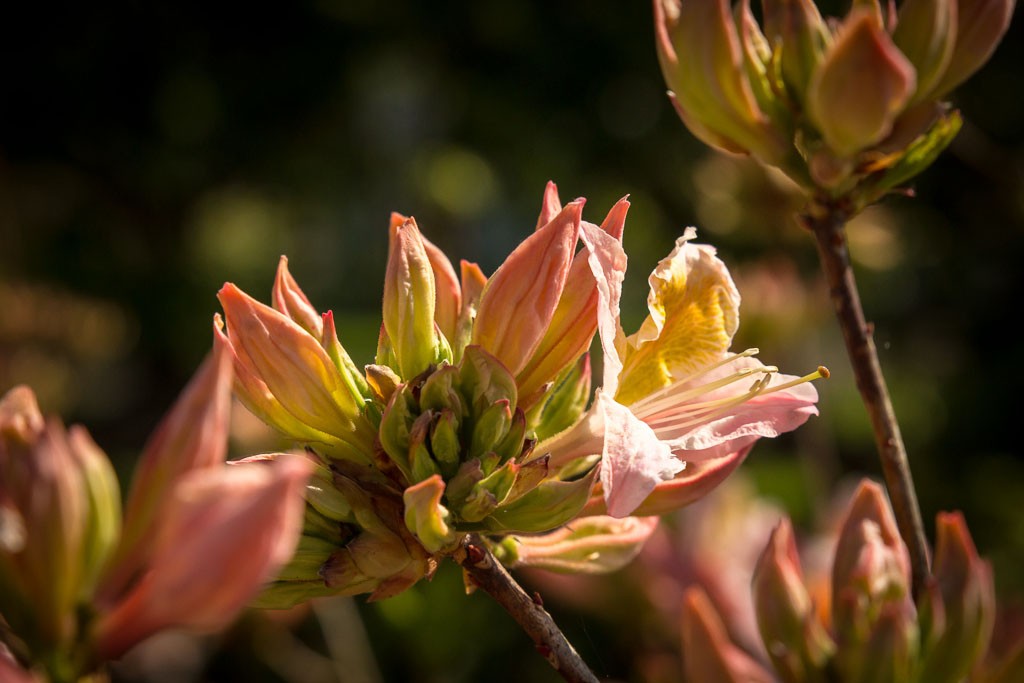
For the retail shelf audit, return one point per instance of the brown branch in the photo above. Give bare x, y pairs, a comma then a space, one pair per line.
827, 222
488, 574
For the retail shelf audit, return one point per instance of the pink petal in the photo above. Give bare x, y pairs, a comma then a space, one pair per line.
226, 533
767, 414
192, 436
634, 460
607, 262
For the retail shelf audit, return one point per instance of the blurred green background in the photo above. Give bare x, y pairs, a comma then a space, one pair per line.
151, 151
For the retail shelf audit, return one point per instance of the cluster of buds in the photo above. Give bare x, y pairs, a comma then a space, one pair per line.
82, 581
477, 414
867, 627
849, 108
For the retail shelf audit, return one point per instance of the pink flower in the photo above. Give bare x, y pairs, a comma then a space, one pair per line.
673, 392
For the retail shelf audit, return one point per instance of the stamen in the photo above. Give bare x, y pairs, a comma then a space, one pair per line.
664, 391
675, 394
673, 423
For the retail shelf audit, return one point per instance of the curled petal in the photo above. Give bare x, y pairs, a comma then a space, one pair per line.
576, 318
693, 316
634, 460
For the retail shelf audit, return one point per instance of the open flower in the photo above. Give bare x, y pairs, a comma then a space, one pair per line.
673, 393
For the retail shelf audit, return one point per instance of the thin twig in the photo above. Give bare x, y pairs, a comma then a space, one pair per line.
488, 574
827, 222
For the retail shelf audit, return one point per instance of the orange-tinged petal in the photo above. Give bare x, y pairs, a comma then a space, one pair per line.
521, 297
550, 206
289, 299
192, 436
575, 319
294, 367
224, 534
448, 291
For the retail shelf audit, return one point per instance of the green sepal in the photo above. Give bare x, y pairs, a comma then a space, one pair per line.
549, 505
565, 403
915, 158
286, 594
444, 442
309, 556
485, 380
491, 426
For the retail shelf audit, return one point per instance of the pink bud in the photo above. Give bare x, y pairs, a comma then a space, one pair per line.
861, 86
192, 436
708, 655
964, 582
795, 639
223, 534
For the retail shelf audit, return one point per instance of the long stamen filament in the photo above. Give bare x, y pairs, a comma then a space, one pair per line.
668, 390
675, 393
697, 413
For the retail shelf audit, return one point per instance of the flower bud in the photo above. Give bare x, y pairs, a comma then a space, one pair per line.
804, 36
964, 583
223, 534
708, 655
410, 302
871, 574
589, 545
981, 24
926, 33
862, 85
426, 517
286, 377
702, 61
796, 641
45, 521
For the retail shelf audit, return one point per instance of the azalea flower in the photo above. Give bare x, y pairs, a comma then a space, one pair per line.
473, 417
673, 393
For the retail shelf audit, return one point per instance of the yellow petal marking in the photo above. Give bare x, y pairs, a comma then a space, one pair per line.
693, 307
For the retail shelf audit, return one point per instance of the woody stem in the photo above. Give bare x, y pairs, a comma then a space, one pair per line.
488, 574
827, 221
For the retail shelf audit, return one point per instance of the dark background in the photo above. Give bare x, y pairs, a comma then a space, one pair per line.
151, 151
